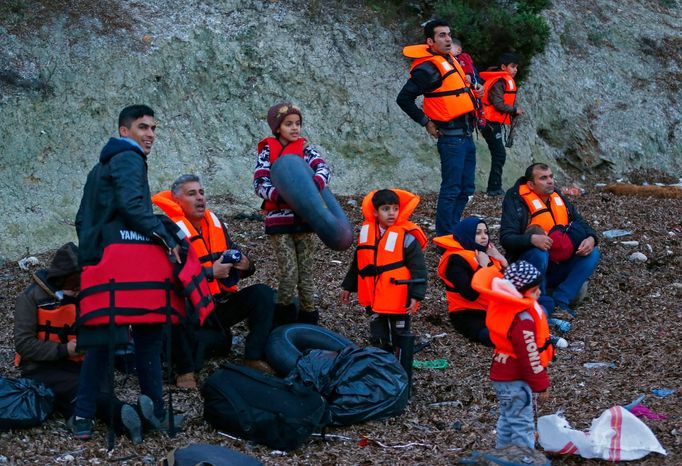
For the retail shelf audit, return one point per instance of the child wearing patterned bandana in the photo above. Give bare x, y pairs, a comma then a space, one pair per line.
291, 238
523, 349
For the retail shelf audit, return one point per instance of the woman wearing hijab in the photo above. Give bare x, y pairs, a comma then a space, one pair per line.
467, 250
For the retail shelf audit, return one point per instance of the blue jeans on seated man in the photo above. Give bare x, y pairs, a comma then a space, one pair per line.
148, 344
566, 278
516, 424
458, 171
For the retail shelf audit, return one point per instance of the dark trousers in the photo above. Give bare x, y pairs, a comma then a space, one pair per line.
492, 133
471, 324
63, 381
384, 329
148, 340
255, 304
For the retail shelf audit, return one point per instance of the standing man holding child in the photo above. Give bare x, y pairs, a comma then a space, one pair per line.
448, 115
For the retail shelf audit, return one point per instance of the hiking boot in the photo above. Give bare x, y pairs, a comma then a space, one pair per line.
285, 314
308, 317
558, 342
259, 365
186, 381
562, 326
131, 423
81, 428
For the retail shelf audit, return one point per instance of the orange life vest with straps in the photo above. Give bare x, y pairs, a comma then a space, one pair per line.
456, 302
540, 214
276, 150
56, 322
509, 98
380, 258
503, 308
135, 283
453, 98
209, 245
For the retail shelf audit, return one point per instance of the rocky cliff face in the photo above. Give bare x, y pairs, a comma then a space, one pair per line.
602, 97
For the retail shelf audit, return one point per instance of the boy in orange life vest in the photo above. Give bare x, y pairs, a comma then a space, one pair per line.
519, 331
45, 339
291, 239
389, 248
499, 105
468, 249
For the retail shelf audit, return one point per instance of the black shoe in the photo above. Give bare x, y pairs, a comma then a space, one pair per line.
285, 314
80, 428
145, 407
495, 193
309, 317
131, 423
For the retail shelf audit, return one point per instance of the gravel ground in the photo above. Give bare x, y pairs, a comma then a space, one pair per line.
631, 317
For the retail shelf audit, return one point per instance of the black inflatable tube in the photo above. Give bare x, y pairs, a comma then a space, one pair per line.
288, 342
293, 178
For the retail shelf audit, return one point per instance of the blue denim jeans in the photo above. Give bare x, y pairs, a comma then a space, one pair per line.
458, 171
566, 278
95, 369
516, 424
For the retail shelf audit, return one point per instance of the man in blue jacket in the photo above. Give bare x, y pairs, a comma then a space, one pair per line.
117, 195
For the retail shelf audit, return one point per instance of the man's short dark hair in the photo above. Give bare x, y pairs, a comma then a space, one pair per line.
384, 197
187, 178
430, 26
132, 113
507, 58
531, 169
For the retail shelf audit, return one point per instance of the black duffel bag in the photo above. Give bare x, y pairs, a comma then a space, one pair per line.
262, 408
23, 403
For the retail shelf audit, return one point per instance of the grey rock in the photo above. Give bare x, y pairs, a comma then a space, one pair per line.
637, 257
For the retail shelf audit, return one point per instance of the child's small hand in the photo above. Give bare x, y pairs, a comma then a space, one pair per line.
482, 258
413, 306
345, 297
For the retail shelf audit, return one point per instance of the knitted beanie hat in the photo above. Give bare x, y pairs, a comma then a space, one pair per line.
523, 275
64, 263
278, 112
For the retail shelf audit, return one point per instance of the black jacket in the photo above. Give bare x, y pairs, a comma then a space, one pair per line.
117, 192
515, 213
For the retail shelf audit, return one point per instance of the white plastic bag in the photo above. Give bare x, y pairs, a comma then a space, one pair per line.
616, 435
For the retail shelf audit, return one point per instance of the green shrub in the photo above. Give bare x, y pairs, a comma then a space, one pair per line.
487, 28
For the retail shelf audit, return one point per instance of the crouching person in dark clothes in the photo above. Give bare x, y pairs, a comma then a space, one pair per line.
185, 204
45, 339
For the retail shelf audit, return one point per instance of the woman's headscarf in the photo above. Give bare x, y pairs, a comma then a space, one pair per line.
465, 233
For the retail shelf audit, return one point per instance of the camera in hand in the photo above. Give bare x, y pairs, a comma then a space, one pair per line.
231, 256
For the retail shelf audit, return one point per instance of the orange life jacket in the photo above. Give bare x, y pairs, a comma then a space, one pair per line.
135, 283
380, 259
503, 308
209, 244
540, 214
453, 98
277, 149
56, 322
509, 98
456, 302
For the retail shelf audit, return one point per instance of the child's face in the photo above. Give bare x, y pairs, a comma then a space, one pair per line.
532, 293
387, 214
456, 49
290, 129
482, 235
511, 68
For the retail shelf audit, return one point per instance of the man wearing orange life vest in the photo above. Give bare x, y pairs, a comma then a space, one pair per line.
523, 349
45, 338
389, 248
185, 204
534, 200
448, 114
499, 105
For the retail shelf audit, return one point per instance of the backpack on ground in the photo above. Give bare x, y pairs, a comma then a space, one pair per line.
262, 408
208, 455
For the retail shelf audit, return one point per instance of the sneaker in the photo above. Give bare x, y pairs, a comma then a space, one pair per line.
81, 428
131, 423
558, 342
562, 326
186, 381
259, 365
